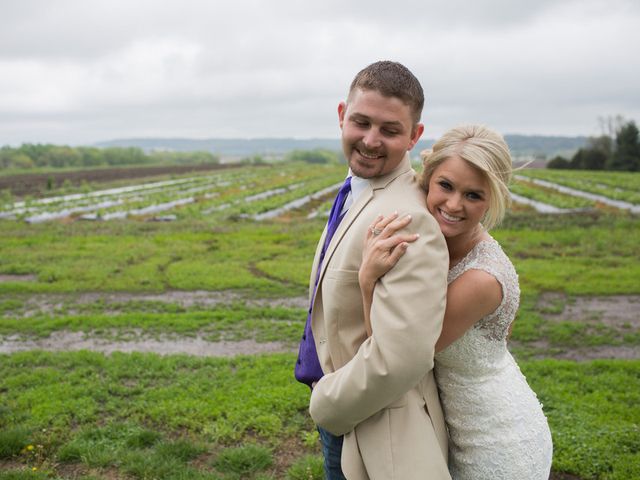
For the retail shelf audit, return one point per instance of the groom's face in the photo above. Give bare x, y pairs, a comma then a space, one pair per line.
377, 131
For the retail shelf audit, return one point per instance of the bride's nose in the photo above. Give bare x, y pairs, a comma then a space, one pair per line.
454, 202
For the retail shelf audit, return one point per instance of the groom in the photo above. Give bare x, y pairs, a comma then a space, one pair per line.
378, 392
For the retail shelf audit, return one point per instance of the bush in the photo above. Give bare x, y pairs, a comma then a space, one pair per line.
559, 163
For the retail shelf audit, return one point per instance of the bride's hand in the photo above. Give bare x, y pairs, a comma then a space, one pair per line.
383, 247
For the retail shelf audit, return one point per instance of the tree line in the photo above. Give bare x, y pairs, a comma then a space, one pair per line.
618, 148
29, 156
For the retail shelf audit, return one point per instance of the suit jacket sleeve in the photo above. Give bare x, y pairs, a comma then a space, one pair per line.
406, 318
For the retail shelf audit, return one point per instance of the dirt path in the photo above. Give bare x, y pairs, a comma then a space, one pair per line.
621, 313
64, 341
48, 303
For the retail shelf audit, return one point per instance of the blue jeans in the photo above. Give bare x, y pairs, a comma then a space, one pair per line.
332, 451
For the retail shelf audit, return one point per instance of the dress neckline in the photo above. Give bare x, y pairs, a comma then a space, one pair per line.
463, 259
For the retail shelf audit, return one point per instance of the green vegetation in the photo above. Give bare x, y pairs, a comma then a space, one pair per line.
618, 149
615, 185
146, 257
159, 415
225, 322
29, 156
549, 196
128, 256
232, 193
146, 415
576, 258
92, 416
245, 461
594, 412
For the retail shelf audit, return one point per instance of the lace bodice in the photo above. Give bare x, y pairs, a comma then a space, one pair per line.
496, 426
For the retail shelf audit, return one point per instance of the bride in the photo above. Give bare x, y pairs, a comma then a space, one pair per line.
497, 430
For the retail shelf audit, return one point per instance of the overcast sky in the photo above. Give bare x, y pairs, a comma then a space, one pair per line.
81, 71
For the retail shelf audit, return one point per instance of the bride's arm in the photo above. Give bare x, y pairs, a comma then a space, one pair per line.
472, 296
383, 247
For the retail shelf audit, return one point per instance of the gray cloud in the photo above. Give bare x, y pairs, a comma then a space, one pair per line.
76, 71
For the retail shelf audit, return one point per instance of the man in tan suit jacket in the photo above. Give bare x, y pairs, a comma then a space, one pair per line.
379, 392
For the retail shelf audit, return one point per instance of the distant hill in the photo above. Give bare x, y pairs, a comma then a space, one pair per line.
548, 146
520, 145
235, 147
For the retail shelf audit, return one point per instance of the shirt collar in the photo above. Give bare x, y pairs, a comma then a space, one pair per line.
358, 185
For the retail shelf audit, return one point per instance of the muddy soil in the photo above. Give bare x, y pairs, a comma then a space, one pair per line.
543, 349
64, 341
47, 303
616, 311
620, 312
18, 278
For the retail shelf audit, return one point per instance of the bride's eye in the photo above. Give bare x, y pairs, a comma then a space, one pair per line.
445, 185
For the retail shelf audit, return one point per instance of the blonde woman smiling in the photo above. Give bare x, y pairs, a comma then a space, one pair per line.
497, 430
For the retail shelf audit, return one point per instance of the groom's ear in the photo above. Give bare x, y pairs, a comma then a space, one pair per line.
342, 109
418, 129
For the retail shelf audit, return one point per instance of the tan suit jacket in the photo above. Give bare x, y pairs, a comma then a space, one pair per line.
380, 391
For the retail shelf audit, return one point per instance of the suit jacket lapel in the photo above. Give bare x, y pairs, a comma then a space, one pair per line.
355, 210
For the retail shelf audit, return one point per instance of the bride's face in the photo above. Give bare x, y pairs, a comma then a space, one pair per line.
458, 197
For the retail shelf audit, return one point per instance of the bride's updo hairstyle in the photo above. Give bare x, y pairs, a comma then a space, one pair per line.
487, 151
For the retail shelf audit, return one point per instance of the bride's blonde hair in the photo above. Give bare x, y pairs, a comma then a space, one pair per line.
487, 151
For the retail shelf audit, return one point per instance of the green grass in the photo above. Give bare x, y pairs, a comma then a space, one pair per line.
594, 413
602, 258
308, 467
243, 462
179, 392
225, 322
150, 416
142, 257
273, 258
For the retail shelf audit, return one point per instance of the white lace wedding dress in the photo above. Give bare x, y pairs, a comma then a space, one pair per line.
497, 430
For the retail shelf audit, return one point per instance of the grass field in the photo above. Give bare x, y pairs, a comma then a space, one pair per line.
226, 278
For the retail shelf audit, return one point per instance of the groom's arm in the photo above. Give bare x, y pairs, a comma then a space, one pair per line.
406, 318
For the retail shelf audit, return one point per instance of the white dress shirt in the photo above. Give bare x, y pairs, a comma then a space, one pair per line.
358, 185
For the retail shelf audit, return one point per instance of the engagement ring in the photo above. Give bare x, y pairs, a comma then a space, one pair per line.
375, 231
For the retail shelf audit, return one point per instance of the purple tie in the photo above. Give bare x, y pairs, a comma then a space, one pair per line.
308, 368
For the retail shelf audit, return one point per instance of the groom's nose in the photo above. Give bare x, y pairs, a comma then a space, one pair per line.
372, 139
